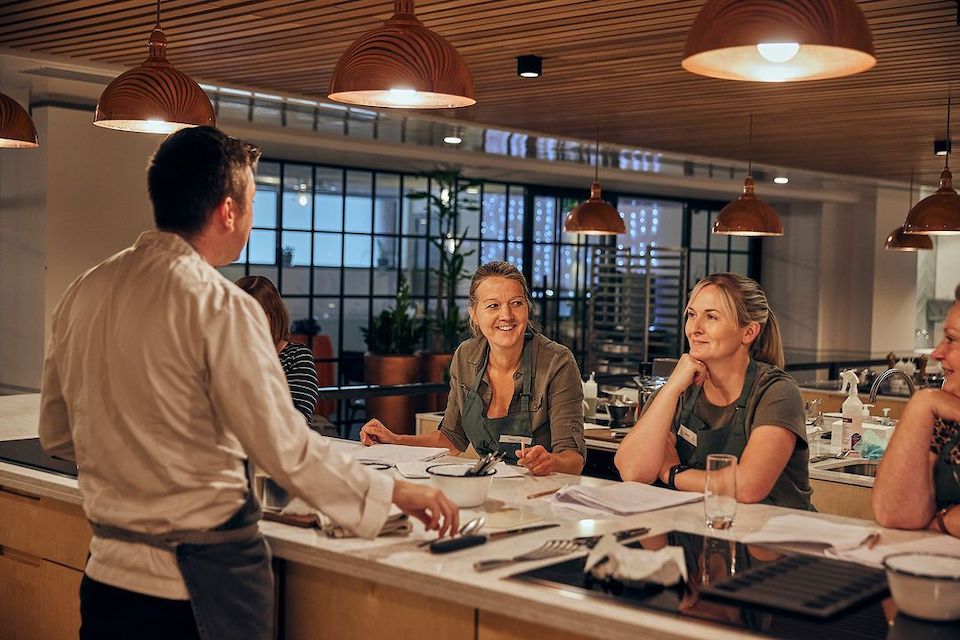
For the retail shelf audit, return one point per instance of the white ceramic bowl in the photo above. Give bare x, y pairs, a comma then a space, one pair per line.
463, 491
925, 585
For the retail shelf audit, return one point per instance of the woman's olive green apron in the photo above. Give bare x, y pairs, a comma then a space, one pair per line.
226, 570
731, 439
946, 476
484, 433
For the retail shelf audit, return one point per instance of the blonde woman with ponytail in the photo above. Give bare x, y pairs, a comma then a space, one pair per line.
728, 394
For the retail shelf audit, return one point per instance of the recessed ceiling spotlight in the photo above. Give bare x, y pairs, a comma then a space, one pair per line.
453, 139
942, 147
781, 180
529, 66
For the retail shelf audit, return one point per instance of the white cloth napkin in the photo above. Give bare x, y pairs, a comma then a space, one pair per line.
938, 543
795, 528
397, 523
625, 498
610, 559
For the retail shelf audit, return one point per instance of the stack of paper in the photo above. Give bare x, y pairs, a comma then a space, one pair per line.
396, 453
874, 557
795, 528
625, 498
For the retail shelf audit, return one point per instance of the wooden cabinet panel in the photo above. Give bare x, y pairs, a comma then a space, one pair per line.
60, 603
331, 606
492, 626
842, 499
44, 527
20, 590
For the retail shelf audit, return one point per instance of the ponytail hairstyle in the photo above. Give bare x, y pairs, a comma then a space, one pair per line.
499, 269
747, 303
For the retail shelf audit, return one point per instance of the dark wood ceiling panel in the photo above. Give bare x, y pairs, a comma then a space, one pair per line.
608, 63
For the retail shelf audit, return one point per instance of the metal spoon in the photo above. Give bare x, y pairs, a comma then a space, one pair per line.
467, 528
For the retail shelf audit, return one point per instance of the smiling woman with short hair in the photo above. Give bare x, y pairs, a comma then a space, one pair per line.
728, 394
508, 383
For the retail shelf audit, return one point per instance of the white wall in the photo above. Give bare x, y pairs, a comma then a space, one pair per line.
894, 280
948, 266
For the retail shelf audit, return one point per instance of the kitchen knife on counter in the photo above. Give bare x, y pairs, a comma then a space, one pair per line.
625, 534
463, 542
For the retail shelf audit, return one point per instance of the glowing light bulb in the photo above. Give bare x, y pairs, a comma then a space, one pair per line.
303, 200
781, 180
778, 52
453, 139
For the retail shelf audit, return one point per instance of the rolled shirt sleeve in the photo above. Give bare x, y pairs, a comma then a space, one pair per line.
451, 426
564, 395
251, 398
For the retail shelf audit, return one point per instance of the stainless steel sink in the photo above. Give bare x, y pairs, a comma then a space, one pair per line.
856, 467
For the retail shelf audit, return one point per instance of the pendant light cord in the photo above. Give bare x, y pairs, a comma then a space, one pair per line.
750, 149
158, 14
596, 161
946, 158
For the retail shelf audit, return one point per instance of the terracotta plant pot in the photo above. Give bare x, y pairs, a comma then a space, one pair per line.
322, 348
435, 367
397, 412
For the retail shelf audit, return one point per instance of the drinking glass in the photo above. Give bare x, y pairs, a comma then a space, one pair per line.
720, 492
813, 412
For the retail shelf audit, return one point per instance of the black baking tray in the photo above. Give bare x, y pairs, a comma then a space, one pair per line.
711, 562
29, 453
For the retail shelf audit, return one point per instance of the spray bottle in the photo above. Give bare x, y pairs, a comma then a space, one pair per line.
852, 412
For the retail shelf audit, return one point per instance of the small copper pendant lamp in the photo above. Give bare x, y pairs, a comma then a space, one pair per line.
17, 130
595, 217
748, 215
155, 97
938, 214
900, 241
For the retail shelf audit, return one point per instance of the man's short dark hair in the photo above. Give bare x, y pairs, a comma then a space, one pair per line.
191, 172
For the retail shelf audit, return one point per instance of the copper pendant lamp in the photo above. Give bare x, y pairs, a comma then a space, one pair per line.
155, 97
779, 40
594, 217
17, 130
748, 215
402, 64
900, 241
938, 214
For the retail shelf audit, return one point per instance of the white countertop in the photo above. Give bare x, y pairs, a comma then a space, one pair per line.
397, 562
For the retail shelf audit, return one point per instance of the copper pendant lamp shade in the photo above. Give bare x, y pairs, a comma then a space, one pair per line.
17, 130
900, 241
402, 64
748, 215
779, 40
938, 214
595, 217
155, 97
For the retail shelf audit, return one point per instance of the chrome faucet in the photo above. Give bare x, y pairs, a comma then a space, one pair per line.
889, 373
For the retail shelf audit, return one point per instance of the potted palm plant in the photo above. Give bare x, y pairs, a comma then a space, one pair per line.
391, 340
446, 321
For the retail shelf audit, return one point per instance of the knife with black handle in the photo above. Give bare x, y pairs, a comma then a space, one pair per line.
465, 542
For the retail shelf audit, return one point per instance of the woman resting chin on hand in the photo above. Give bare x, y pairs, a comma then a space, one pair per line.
507, 384
728, 394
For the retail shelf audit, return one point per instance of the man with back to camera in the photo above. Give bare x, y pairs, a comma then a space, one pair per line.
160, 379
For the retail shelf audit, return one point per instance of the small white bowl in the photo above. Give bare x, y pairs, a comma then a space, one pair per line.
463, 491
925, 585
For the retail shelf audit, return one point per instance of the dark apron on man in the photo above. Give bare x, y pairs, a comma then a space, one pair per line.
731, 439
226, 570
946, 476
484, 433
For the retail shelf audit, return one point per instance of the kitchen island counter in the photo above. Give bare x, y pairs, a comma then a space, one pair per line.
388, 587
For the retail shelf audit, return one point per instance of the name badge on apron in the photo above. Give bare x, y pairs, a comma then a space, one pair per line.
525, 441
687, 434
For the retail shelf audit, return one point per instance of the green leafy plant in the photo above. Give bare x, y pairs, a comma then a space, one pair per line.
397, 331
445, 203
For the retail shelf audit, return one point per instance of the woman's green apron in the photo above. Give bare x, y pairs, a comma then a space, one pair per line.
484, 433
731, 439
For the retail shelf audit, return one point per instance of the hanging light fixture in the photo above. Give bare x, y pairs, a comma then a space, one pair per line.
402, 64
155, 97
900, 241
17, 130
748, 215
594, 216
778, 41
938, 214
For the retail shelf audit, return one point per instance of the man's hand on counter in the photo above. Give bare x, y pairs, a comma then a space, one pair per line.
429, 506
374, 432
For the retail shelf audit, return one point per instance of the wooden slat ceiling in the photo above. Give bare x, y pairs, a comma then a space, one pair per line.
608, 63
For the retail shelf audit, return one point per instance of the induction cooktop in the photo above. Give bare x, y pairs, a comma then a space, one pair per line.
29, 453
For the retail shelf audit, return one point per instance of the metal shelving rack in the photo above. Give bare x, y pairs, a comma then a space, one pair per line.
635, 311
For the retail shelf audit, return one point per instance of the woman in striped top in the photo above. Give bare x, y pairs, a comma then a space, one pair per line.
296, 359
